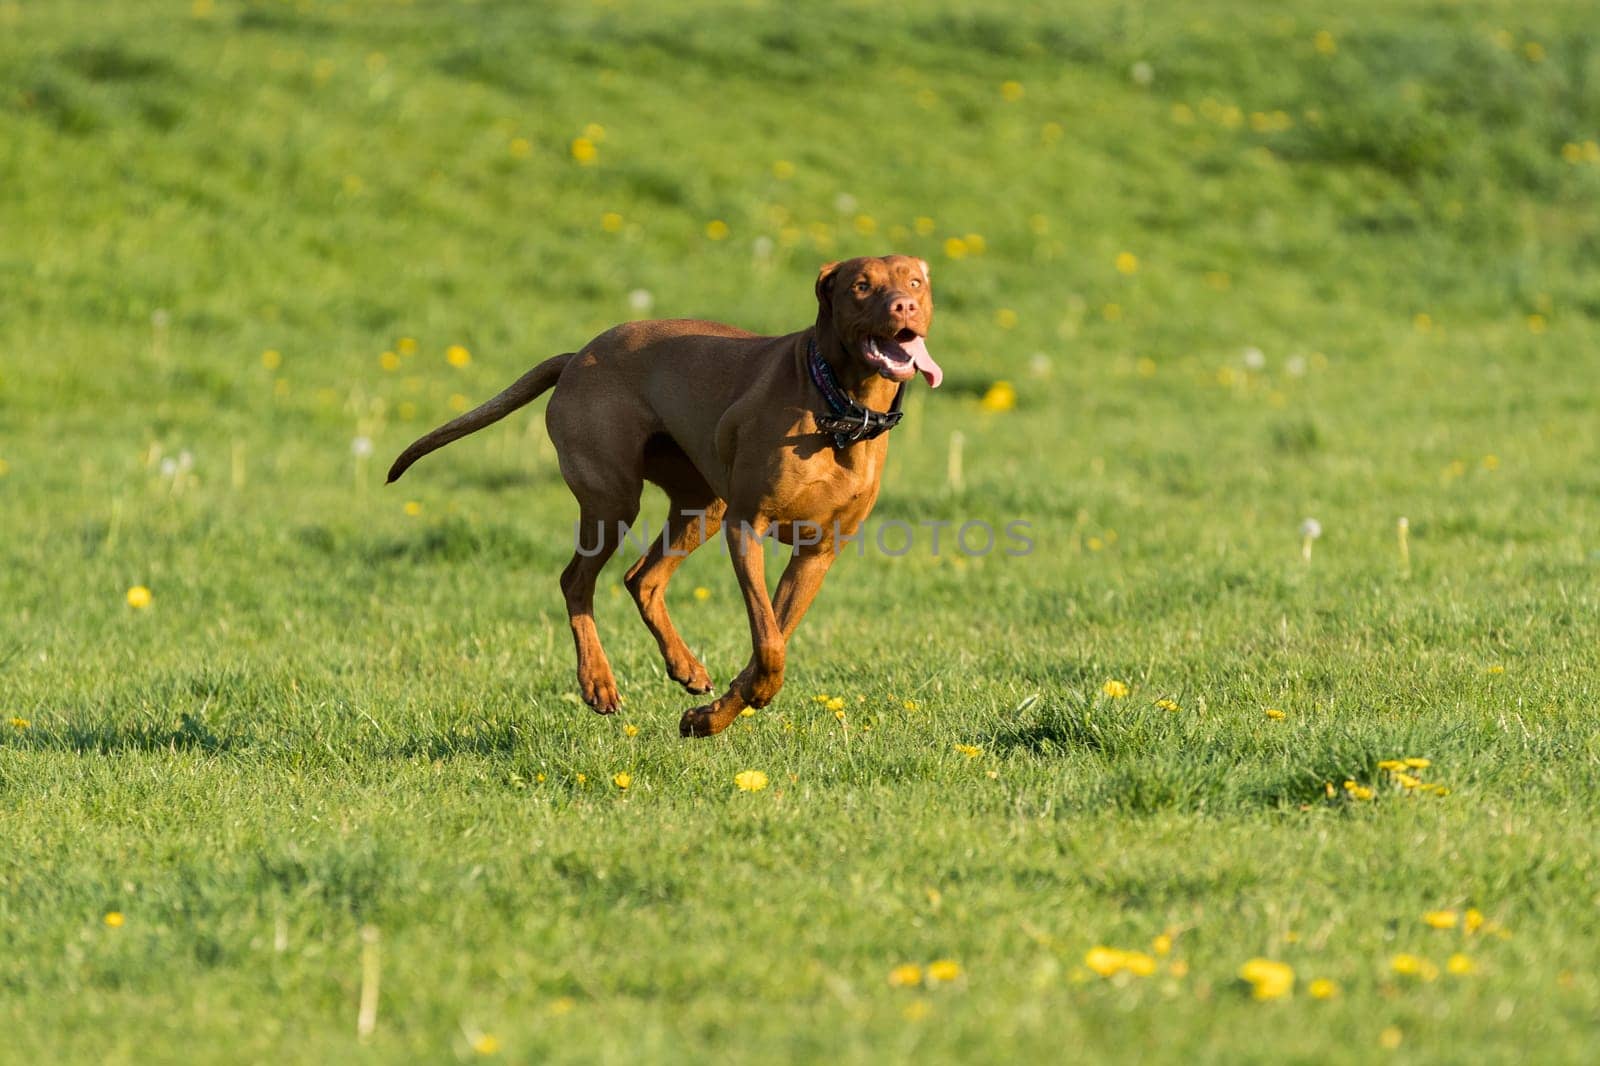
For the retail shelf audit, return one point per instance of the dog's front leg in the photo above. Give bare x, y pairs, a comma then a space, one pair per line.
760, 681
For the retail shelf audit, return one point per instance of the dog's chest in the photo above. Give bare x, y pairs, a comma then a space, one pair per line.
828, 491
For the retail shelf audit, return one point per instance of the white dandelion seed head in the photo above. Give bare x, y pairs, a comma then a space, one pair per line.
361, 446
1295, 366
762, 247
1254, 359
1142, 73
1039, 365
1311, 528
845, 204
160, 319
1404, 522
641, 300
169, 466
186, 460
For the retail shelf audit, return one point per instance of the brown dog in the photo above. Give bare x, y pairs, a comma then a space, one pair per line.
780, 436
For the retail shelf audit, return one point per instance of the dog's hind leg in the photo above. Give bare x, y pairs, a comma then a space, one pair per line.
607, 488
691, 521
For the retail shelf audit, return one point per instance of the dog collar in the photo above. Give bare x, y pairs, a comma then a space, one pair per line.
848, 420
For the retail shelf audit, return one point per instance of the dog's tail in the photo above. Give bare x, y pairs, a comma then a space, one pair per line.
521, 392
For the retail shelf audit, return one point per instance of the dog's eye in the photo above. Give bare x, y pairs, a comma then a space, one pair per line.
862, 287
916, 283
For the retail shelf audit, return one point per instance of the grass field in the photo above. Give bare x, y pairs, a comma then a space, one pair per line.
1241, 265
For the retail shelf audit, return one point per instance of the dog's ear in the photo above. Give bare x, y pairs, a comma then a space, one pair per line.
927, 272
825, 284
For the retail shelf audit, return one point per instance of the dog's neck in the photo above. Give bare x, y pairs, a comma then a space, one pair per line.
858, 381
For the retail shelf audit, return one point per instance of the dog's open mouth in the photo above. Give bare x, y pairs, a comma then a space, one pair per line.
900, 357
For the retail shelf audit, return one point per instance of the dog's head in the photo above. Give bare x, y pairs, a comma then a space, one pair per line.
879, 309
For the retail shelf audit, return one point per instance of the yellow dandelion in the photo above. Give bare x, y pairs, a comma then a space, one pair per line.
1408, 965
916, 1010
783, 170
584, 152
1473, 920
1275, 714
5, 468
406, 346
272, 359
1390, 1038
1496, 669
944, 970
1322, 988
1537, 324
971, 751
975, 243
1104, 961
1422, 322
412, 508
1138, 963
835, 704
1012, 91
486, 1044
1360, 792
1391, 765
1267, 978
717, 230
955, 248
1572, 152
750, 780
1005, 318
1115, 689
821, 697
1415, 763
1162, 944
1324, 43
1168, 705
865, 225
457, 356
1406, 780
611, 222
748, 712
583, 779
702, 593
905, 975
1441, 919
1111, 312
139, 597
1127, 263
910, 705
1534, 51
622, 779
630, 730
1001, 396
923, 225
114, 919
20, 723
1460, 965
520, 148
389, 361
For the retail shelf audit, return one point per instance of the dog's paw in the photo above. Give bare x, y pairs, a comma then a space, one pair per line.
695, 678
705, 721
601, 695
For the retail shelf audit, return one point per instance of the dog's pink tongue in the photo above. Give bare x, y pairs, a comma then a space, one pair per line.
917, 349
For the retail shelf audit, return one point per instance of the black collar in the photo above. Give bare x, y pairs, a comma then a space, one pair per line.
849, 421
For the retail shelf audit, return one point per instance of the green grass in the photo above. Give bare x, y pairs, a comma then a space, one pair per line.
336, 715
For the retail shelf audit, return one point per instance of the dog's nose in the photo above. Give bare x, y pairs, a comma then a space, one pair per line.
902, 304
